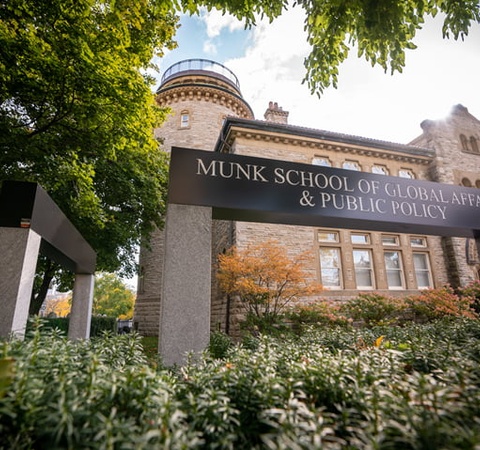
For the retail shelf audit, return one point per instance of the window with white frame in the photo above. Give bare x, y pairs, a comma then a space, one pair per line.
360, 238
327, 236
321, 161
394, 269
362, 260
184, 119
418, 241
380, 170
390, 239
330, 267
351, 165
423, 273
406, 173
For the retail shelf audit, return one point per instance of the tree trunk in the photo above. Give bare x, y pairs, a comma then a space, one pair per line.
39, 297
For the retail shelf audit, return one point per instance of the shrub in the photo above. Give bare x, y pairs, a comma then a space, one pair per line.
219, 344
318, 314
411, 387
473, 291
433, 304
98, 325
89, 394
373, 309
265, 278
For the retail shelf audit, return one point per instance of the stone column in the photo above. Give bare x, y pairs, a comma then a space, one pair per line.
186, 293
19, 248
82, 301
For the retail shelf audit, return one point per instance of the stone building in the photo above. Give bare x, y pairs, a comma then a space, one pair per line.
209, 113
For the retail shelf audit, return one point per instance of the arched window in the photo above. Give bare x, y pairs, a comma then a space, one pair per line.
463, 140
466, 182
474, 144
477, 184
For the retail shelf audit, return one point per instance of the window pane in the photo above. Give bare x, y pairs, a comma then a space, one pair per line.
351, 165
389, 240
358, 238
319, 161
184, 120
327, 236
406, 173
416, 241
381, 170
330, 267
393, 265
422, 270
363, 268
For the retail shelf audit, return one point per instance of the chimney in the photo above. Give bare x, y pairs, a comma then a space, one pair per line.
275, 113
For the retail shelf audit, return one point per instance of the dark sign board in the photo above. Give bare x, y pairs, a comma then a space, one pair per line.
266, 190
27, 205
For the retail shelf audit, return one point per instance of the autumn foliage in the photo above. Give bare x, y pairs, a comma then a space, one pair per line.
265, 277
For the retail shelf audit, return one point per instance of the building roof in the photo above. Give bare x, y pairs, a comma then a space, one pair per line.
294, 130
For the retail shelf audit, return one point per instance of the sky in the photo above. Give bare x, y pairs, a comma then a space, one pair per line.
268, 61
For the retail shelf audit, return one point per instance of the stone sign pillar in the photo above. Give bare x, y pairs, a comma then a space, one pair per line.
185, 308
82, 303
32, 223
19, 248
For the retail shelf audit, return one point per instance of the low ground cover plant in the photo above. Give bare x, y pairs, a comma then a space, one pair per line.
410, 387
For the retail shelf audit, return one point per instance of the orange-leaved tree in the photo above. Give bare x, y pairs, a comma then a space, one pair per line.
265, 277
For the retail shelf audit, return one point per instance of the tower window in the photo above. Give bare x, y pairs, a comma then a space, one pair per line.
463, 140
184, 119
474, 144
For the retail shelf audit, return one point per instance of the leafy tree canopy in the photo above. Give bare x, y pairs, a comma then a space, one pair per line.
77, 113
380, 30
265, 277
112, 297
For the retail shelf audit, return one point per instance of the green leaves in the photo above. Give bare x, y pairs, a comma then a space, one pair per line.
77, 114
381, 32
319, 390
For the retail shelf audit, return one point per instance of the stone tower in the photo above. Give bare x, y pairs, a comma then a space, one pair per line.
201, 94
456, 143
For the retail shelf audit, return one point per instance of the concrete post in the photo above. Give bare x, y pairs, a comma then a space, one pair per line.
186, 293
82, 301
19, 249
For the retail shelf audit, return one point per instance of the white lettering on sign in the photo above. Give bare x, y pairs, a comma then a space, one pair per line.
348, 192
224, 169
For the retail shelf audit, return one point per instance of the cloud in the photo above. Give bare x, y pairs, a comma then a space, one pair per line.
368, 102
209, 47
216, 22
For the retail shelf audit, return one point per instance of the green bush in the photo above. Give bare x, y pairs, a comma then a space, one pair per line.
411, 387
98, 325
318, 314
373, 309
89, 394
219, 344
472, 291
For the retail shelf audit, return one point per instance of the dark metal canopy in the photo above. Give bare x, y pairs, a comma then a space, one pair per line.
27, 205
